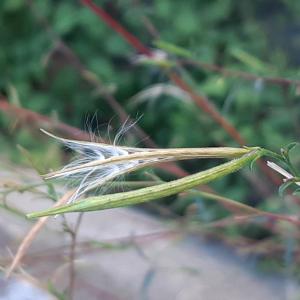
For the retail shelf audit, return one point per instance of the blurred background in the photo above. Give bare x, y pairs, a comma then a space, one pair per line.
192, 74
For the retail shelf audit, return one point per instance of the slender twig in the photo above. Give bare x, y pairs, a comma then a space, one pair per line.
240, 74
30, 117
72, 256
129, 37
28, 239
209, 108
121, 243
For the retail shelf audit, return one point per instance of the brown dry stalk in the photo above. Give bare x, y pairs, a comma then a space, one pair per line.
28, 239
284, 82
30, 118
207, 106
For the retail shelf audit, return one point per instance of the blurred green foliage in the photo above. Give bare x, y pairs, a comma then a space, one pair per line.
261, 37
235, 34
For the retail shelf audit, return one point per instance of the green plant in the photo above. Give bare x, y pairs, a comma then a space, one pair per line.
103, 163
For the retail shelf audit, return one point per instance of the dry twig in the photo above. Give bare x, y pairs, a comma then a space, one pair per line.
32, 234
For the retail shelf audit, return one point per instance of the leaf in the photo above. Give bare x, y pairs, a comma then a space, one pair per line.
283, 187
285, 152
173, 49
250, 60
286, 149
292, 145
297, 192
53, 290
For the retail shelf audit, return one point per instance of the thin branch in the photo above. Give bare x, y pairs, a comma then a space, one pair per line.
28, 239
209, 108
72, 255
240, 74
129, 37
29, 117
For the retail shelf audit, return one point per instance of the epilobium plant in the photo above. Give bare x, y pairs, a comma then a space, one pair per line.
99, 163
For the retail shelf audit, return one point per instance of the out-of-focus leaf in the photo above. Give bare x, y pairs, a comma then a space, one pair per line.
283, 187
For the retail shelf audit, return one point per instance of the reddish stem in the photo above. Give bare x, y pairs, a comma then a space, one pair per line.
130, 38
31, 118
138, 45
199, 100
207, 107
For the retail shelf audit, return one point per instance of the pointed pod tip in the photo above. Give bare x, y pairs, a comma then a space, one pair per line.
39, 214
31, 216
57, 210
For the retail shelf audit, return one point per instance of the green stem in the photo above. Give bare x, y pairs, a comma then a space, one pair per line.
154, 192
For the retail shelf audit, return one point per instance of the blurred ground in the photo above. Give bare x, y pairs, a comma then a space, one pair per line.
126, 254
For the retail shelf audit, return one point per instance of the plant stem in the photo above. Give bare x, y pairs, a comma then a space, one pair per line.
72, 255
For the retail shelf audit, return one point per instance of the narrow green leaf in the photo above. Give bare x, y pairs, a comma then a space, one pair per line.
290, 146
296, 192
283, 187
52, 289
173, 49
250, 60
